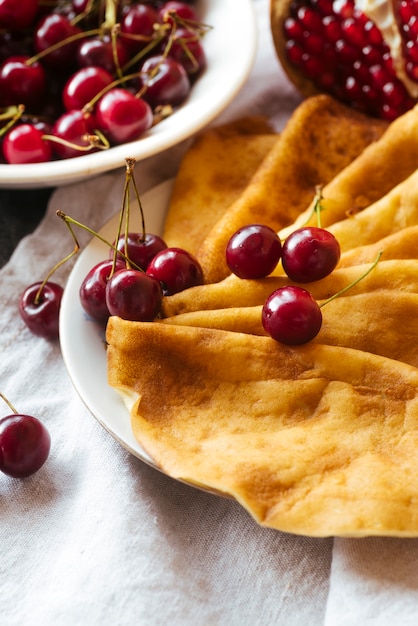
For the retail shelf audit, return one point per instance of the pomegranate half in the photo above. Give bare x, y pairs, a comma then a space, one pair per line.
362, 52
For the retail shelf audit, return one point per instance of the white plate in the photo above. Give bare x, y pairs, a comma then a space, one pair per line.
230, 49
82, 341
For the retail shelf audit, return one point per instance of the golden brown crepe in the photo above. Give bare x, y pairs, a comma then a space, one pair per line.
316, 440
321, 138
212, 175
366, 321
400, 274
380, 167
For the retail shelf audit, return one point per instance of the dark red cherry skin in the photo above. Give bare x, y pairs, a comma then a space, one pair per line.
17, 15
22, 83
165, 81
176, 269
122, 117
137, 26
42, 317
57, 29
74, 127
183, 10
25, 444
24, 143
100, 52
84, 85
291, 316
140, 249
309, 254
253, 251
188, 51
92, 290
133, 295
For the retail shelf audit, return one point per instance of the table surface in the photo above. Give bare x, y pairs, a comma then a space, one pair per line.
21, 210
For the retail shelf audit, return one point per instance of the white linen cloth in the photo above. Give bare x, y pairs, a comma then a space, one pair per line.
98, 538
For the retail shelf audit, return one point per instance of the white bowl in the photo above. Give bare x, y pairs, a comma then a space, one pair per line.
230, 48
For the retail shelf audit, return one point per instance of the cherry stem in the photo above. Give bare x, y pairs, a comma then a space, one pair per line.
9, 404
317, 208
354, 282
58, 265
63, 42
98, 140
67, 219
12, 114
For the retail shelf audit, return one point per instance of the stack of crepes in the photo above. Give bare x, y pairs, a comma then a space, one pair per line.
320, 439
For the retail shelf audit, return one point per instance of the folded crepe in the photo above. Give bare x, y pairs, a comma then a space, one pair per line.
366, 321
400, 274
320, 139
316, 440
380, 167
212, 175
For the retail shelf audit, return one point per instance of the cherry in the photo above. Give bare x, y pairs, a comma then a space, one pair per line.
100, 52
181, 9
17, 15
21, 82
140, 249
93, 289
176, 269
165, 81
122, 116
25, 444
137, 26
40, 309
133, 295
187, 49
309, 254
74, 127
56, 29
291, 315
253, 251
84, 85
24, 143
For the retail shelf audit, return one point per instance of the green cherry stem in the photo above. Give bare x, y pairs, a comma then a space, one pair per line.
354, 282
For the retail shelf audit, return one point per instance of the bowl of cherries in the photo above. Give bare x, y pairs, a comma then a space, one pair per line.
84, 83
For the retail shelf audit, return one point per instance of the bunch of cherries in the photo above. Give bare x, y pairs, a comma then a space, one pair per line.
131, 283
86, 75
290, 314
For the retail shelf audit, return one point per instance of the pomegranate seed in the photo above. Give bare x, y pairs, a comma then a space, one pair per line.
332, 28
411, 51
293, 29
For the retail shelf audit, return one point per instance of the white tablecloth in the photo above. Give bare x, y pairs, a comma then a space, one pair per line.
98, 538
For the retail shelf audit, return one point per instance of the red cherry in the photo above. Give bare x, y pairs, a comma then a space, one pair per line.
22, 83
73, 127
253, 251
42, 316
176, 269
57, 29
165, 81
17, 15
133, 295
25, 144
24, 445
309, 254
122, 117
93, 290
291, 315
187, 49
84, 85
100, 52
139, 249
137, 26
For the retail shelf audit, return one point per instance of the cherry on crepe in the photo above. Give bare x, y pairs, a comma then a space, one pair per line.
291, 316
253, 251
310, 253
